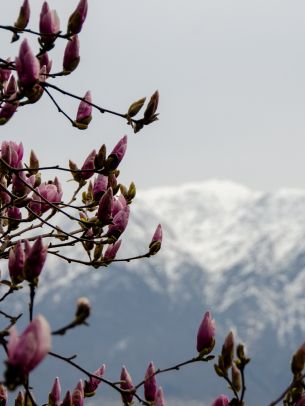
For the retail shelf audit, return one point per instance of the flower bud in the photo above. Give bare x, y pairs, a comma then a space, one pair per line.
120, 222
104, 212
88, 166
77, 18
222, 400
156, 241
236, 377
298, 360
91, 386
159, 398
24, 16
67, 400
34, 261
127, 385
83, 310
27, 66
71, 55
116, 155
19, 401
150, 384
84, 112
206, 335
15, 216
26, 351
136, 107
151, 108
118, 204
45, 61
48, 25
3, 395
34, 162
99, 187
54, 395
227, 351
16, 260
7, 111
111, 251
11, 89
51, 191
77, 398
5, 74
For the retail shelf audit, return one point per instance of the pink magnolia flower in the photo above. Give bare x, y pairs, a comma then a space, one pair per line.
150, 384
35, 257
21, 183
12, 153
99, 187
126, 384
104, 212
54, 395
206, 334
117, 154
27, 66
91, 386
112, 250
222, 400
71, 55
156, 241
84, 112
24, 16
25, 352
159, 398
52, 192
88, 166
48, 24
120, 222
77, 18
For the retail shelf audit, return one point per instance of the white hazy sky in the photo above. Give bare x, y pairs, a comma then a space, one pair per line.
231, 76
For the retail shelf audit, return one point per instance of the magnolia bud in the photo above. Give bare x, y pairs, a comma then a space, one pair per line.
24, 16
77, 18
104, 213
206, 335
16, 263
34, 261
159, 398
83, 310
227, 351
298, 360
150, 383
136, 107
48, 24
93, 383
27, 66
71, 56
84, 112
156, 241
236, 377
54, 396
116, 155
126, 384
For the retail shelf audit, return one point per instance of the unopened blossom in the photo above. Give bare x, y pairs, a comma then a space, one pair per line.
3, 395
48, 24
298, 360
150, 383
14, 216
46, 191
7, 111
227, 351
159, 401
88, 166
112, 250
206, 334
91, 386
77, 18
12, 153
25, 352
119, 223
84, 112
117, 154
77, 398
55, 394
99, 186
126, 384
222, 400
236, 377
5, 74
83, 310
24, 16
11, 88
71, 55
19, 401
27, 66
104, 212
45, 61
16, 260
67, 401
156, 241
34, 260
118, 204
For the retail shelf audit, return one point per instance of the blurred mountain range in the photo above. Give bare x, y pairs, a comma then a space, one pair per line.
236, 252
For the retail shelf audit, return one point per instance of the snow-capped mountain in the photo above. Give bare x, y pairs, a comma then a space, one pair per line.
237, 252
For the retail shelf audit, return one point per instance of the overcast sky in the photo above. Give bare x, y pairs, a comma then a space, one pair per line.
231, 77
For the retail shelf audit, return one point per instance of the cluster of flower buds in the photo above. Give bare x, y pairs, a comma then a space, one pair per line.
26, 263
25, 352
150, 113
